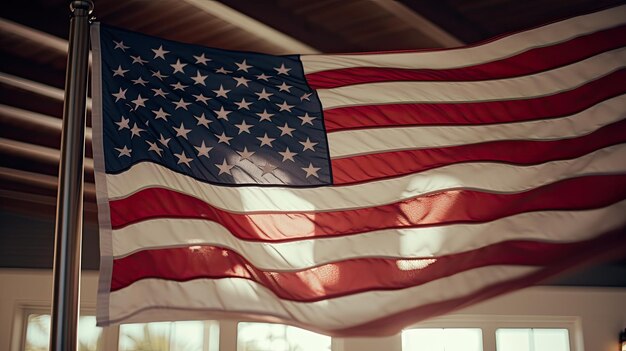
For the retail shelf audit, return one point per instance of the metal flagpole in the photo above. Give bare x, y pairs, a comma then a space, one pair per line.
69, 218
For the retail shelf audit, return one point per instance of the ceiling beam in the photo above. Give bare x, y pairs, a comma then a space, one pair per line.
10, 115
420, 23
32, 35
449, 19
253, 26
36, 153
41, 180
35, 87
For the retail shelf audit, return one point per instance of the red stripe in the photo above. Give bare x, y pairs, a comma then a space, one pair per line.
447, 207
333, 279
472, 113
609, 246
529, 62
370, 167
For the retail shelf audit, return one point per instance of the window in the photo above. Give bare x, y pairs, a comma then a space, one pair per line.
38, 333
442, 339
169, 336
527, 339
279, 337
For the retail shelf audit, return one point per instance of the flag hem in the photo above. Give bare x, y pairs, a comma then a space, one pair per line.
104, 217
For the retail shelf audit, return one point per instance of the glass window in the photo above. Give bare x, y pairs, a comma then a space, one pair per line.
165, 336
509, 339
279, 337
442, 339
38, 333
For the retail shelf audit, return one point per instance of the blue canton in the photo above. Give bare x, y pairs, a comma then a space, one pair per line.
219, 116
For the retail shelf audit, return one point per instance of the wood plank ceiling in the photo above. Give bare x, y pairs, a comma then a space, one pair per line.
33, 42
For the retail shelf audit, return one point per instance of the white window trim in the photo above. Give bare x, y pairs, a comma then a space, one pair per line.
109, 339
490, 323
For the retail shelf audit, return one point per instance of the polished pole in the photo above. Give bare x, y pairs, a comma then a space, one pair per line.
69, 216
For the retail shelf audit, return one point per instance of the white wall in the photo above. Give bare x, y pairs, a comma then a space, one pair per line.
595, 316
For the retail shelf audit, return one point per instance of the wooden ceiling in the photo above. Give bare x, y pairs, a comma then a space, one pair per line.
33, 45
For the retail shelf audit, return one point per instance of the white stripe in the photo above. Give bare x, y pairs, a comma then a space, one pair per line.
241, 295
553, 226
493, 177
540, 84
469, 56
365, 141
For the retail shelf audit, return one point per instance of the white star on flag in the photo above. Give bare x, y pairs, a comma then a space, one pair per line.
120, 95
159, 92
119, 71
154, 147
203, 150
123, 123
199, 79
284, 87
160, 52
243, 66
182, 131
202, 120
201, 98
138, 59
243, 127
286, 130
202, 60
306, 119
139, 81
267, 168
308, 144
164, 141
245, 154
125, 151
265, 116
287, 155
224, 167
221, 92
282, 69
160, 114
243, 104
241, 81
182, 158
263, 95
285, 107
266, 140
311, 171
223, 138
120, 45
158, 74
178, 66
222, 114
139, 101
181, 104
135, 130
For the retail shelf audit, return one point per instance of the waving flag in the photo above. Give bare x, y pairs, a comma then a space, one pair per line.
354, 194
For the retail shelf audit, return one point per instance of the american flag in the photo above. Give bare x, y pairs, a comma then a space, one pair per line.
354, 194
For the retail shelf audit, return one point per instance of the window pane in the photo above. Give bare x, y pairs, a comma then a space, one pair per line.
38, 333
279, 337
188, 336
532, 339
88, 334
148, 336
513, 339
166, 336
442, 339
551, 339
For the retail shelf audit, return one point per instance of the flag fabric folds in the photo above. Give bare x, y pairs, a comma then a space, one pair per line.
354, 194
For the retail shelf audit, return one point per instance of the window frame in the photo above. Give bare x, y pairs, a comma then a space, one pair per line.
490, 323
110, 335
